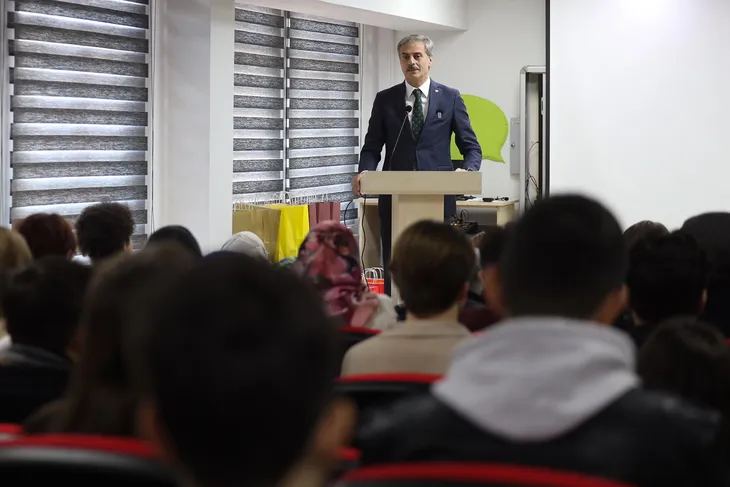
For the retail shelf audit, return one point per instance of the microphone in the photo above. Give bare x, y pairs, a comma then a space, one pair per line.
397, 139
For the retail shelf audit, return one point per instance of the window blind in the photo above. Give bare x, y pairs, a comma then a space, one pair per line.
296, 106
79, 92
323, 108
258, 145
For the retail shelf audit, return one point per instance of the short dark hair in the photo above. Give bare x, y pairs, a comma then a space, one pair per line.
689, 358
249, 347
641, 230
667, 277
104, 229
492, 244
432, 262
42, 302
48, 234
176, 234
563, 258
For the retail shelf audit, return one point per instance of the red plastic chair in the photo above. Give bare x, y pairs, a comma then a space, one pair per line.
468, 474
81, 460
9, 431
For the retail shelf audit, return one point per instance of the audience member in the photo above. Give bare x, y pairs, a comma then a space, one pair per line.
247, 243
246, 399
431, 265
330, 260
643, 229
712, 232
102, 397
104, 230
14, 253
477, 318
691, 359
553, 386
41, 307
176, 234
48, 234
668, 276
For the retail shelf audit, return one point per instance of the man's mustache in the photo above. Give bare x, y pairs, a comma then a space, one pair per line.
413, 68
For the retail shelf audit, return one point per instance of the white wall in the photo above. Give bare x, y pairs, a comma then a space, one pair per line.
389, 14
638, 112
193, 118
502, 37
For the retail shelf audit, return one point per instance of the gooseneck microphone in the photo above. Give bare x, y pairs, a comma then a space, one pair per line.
397, 139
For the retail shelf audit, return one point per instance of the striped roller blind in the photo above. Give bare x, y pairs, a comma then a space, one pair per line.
258, 145
323, 107
79, 92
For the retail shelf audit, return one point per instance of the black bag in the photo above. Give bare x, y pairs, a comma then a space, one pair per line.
463, 223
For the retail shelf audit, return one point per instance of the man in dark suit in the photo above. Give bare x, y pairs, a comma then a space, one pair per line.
436, 112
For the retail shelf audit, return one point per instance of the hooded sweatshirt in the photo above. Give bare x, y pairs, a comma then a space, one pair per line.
535, 379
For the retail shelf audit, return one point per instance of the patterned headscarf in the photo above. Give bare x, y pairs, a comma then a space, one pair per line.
329, 258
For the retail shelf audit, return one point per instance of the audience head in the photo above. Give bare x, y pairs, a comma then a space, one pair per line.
688, 358
262, 367
565, 257
115, 328
329, 259
668, 276
247, 243
14, 251
490, 251
104, 229
431, 265
712, 232
48, 234
176, 234
643, 229
42, 303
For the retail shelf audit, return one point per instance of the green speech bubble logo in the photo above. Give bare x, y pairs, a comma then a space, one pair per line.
490, 125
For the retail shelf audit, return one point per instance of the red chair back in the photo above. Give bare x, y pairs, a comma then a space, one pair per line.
82, 461
455, 474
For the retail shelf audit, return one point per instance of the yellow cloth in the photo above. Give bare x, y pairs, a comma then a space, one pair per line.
293, 229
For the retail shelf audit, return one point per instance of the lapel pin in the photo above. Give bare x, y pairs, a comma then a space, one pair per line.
436, 90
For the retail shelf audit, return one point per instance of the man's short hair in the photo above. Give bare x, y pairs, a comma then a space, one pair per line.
563, 258
667, 277
42, 302
104, 229
427, 43
247, 350
641, 230
431, 264
48, 234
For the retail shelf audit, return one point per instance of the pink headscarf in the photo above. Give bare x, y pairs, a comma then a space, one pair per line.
329, 258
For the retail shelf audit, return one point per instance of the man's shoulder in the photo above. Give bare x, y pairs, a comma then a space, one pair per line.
392, 91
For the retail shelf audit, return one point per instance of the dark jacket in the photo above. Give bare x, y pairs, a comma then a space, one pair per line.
644, 439
29, 378
553, 393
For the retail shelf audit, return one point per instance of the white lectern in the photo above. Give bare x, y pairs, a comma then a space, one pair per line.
418, 195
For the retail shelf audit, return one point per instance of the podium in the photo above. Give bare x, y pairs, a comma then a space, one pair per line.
418, 195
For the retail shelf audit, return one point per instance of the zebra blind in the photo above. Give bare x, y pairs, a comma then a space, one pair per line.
259, 120
79, 91
297, 106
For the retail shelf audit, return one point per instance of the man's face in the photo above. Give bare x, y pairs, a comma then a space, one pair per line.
415, 63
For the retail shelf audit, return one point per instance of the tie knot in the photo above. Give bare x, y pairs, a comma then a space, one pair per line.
417, 92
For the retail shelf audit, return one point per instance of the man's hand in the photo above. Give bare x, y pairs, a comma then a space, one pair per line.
461, 170
356, 185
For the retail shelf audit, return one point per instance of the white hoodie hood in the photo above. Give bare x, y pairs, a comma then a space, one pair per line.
535, 379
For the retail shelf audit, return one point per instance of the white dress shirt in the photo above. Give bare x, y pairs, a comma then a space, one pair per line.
411, 98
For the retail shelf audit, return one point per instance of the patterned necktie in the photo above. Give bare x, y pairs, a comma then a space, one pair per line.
417, 118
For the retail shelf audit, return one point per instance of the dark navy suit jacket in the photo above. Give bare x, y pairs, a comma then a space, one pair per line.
446, 115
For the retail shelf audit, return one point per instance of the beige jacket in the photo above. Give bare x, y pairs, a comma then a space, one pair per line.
415, 346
